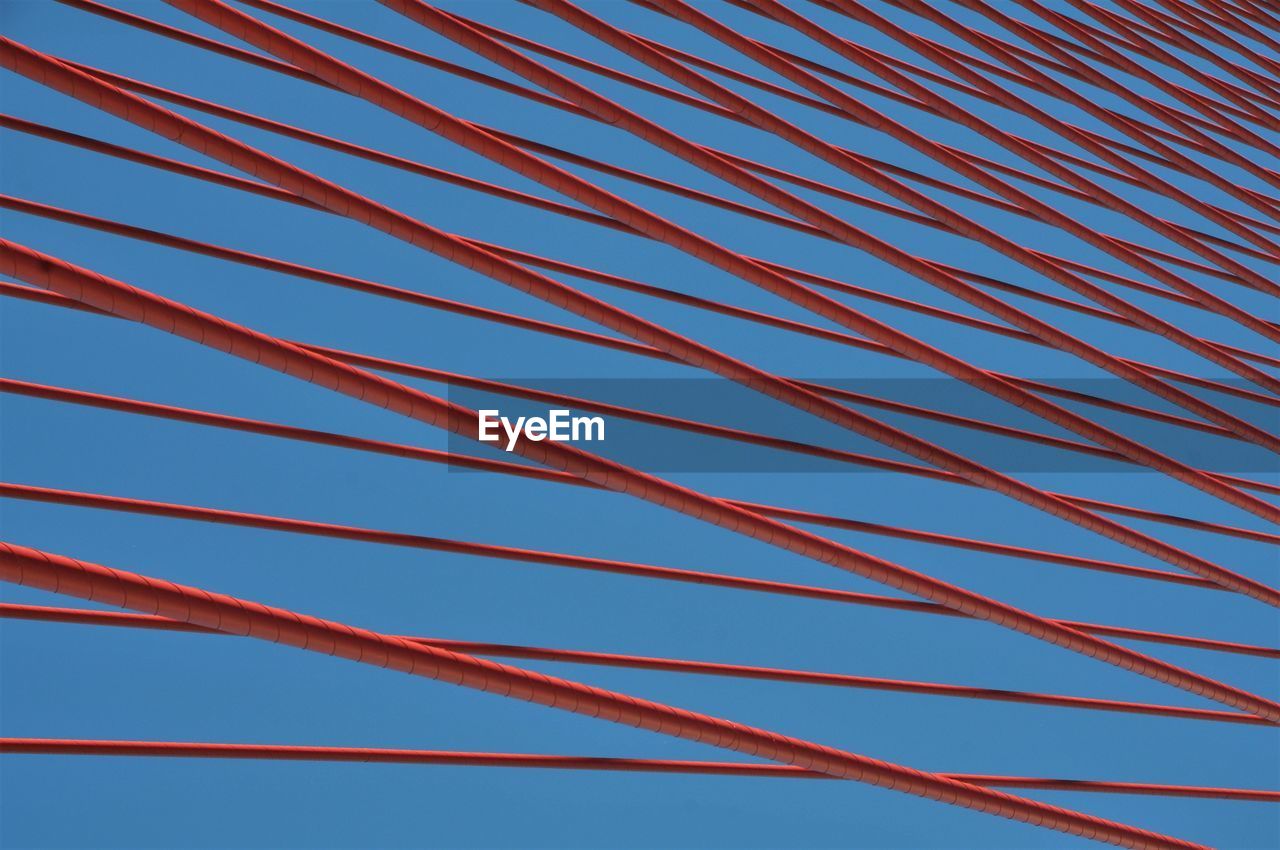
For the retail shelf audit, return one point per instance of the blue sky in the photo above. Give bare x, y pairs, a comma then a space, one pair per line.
87, 682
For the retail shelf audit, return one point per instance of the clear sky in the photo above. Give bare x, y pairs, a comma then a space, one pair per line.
64, 681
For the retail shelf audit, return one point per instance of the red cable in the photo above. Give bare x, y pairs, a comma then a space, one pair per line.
1162, 26
258, 188
254, 426
178, 319
1093, 56
986, 66
662, 91
979, 171
365, 755
1166, 29
417, 56
143, 113
640, 570
737, 435
615, 114
675, 665
467, 134
1133, 36
227, 614
869, 461
1145, 104
413, 167
860, 12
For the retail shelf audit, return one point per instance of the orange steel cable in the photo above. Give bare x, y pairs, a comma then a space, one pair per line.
468, 134
453, 758
80, 616
181, 320
142, 112
695, 426
34, 568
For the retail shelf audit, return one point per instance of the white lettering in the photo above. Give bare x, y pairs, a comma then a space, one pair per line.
558, 427
488, 420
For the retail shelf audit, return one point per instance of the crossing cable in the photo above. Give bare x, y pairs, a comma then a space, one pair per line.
228, 614
308, 435
616, 281
80, 616
1232, 14
983, 198
715, 109
1229, 15
1093, 56
952, 188
615, 114
986, 66
720, 431
179, 319
666, 92
97, 146
1113, 119
1102, 81
635, 177
487, 80
1166, 28
237, 154
1233, 18
990, 131
1132, 34
453, 758
1115, 32
266, 37
461, 308
732, 582
1003, 52
372, 89
1027, 205
148, 507
1016, 145
978, 63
